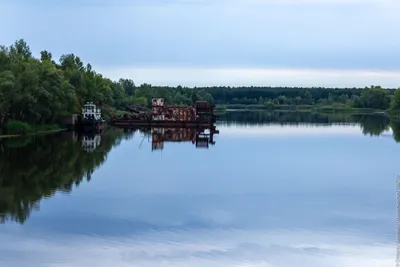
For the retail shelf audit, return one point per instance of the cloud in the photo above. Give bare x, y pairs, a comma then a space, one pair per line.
200, 248
204, 34
256, 76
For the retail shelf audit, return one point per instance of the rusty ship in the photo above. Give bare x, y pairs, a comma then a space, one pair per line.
199, 115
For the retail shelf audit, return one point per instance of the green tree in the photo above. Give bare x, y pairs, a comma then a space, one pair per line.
128, 85
375, 97
194, 97
308, 99
396, 100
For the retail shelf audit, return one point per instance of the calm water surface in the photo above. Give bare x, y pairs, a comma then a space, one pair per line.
275, 190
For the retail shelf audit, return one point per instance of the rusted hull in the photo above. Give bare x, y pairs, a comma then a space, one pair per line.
91, 127
166, 124
98, 127
199, 115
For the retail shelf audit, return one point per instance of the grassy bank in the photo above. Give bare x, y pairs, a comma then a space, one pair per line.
19, 128
315, 108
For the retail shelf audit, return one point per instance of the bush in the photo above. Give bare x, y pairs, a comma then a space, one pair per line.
17, 127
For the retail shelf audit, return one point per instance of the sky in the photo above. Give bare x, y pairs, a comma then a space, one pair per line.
339, 43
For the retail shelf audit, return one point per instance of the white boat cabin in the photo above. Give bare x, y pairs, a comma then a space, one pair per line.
90, 111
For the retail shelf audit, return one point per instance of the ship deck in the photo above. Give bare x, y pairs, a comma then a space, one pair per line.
161, 123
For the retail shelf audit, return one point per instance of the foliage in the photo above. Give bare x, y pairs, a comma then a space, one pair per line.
395, 105
373, 97
17, 127
23, 128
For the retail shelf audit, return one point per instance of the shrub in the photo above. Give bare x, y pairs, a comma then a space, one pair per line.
17, 127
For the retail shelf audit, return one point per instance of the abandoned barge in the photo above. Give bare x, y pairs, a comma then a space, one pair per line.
199, 115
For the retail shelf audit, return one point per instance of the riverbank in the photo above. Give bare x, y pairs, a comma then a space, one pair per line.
304, 108
22, 129
32, 134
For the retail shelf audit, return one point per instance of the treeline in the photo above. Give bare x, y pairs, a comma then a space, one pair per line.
41, 90
374, 97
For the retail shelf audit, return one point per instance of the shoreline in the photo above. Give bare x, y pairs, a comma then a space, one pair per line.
299, 108
32, 134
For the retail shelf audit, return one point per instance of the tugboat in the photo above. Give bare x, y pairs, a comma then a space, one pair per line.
91, 120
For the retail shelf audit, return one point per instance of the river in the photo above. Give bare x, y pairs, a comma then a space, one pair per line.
274, 190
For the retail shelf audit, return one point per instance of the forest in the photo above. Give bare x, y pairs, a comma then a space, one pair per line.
38, 91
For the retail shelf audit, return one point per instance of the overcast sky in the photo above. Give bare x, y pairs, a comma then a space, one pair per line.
222, 42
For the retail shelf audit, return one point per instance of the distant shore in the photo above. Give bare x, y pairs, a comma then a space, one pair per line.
305, 108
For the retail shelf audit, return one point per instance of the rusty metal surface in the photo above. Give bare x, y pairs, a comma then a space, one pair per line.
164, 115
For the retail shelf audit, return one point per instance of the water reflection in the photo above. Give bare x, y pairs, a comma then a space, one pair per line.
200, 137
33, 168
90, 142
371, 124
250, 201
37, 167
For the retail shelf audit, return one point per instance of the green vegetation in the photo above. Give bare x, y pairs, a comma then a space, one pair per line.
317, 99
17, 127
21, 128
38, 91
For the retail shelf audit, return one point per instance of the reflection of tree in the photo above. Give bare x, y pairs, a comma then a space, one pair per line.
42, 167
373, 124
282, 117
395, 125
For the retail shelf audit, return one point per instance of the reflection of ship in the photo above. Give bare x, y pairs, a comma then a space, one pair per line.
202, 138
90, 142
